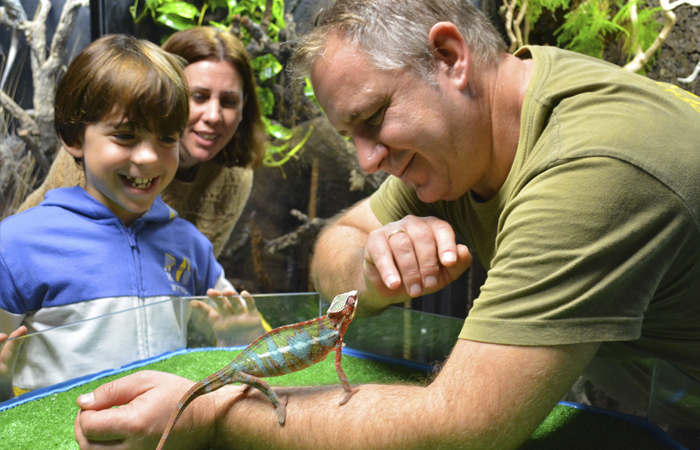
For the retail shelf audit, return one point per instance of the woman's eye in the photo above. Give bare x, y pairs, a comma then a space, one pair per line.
230, 102
199, 97
377, 118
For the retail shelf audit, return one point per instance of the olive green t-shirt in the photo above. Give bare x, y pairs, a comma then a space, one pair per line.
595, 235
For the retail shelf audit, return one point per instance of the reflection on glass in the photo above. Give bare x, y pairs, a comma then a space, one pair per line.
675, 397
405, 334
54, 355
397, 333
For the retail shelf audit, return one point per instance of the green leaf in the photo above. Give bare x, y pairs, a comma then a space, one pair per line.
176, 22
309, 89
218, 25
182, 9
269, 159
278, 13
267, 100
279, 131
218, 4
266, 66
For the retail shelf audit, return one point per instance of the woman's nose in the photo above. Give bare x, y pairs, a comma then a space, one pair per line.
212, 111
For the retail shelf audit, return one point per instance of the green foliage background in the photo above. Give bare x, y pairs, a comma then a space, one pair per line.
179, 15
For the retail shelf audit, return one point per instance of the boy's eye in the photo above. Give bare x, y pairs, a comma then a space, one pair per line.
124, 137
168, 140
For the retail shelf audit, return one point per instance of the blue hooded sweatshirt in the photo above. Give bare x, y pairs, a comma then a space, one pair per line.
71, 259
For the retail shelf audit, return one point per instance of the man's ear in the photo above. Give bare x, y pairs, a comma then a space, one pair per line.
451, 52
75, 150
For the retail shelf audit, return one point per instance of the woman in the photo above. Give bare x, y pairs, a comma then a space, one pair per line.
222, 144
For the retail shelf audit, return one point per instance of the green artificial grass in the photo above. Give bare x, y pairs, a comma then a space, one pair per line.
571, 428
47, 423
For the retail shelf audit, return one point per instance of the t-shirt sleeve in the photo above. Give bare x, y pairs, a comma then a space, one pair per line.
580, 251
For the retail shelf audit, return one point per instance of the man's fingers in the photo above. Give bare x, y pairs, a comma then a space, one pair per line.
445, 240
406, 256
464, 260
96, 426
378, 255
116, 393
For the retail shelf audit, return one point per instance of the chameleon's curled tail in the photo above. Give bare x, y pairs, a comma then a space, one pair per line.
205, 386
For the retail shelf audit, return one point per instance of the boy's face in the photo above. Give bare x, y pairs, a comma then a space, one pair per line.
126, 168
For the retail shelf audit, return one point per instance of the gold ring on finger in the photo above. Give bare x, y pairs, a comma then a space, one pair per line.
399, 230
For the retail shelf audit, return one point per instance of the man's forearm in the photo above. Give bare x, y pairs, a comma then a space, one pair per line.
486, 397
337, 267
337, 262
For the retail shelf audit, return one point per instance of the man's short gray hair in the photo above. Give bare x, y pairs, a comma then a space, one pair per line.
395, 33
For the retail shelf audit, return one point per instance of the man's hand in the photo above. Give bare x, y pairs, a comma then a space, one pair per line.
145, 402
412, 257
8, 358
389, 263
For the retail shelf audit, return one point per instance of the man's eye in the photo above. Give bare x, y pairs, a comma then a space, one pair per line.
377, 118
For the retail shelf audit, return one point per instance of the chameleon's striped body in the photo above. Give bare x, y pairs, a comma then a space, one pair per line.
278, 352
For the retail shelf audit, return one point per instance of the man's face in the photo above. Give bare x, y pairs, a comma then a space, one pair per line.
400, 124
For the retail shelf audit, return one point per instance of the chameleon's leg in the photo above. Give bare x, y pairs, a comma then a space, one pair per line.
262, 386
349, 392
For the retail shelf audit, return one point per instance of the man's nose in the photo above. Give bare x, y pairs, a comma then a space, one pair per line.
370, 153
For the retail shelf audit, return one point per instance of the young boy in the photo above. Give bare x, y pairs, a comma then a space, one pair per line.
114, 244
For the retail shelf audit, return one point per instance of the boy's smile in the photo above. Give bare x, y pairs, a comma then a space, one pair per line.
126, 168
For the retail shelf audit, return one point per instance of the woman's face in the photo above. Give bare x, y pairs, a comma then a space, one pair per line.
216, 109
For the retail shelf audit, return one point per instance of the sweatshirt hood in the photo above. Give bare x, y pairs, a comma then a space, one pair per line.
77, 200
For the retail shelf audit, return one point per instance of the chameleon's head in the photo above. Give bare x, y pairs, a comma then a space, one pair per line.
343, 305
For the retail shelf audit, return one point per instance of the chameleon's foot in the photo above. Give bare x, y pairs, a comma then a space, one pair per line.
347, 396
246, 388
281, 410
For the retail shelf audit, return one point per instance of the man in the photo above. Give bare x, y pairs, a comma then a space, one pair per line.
574, 183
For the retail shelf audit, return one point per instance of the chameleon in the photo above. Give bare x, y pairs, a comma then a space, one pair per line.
280, 351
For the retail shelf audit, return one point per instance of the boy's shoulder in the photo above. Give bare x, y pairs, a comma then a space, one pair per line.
185, 232
162, 224
60, 207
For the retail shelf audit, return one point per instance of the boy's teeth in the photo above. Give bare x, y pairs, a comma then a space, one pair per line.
139, 183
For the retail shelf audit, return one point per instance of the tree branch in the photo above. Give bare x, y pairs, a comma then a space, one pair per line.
309, 228
642, 57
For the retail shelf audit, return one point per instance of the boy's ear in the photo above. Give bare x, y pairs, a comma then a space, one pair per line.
451, 52
75, 150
